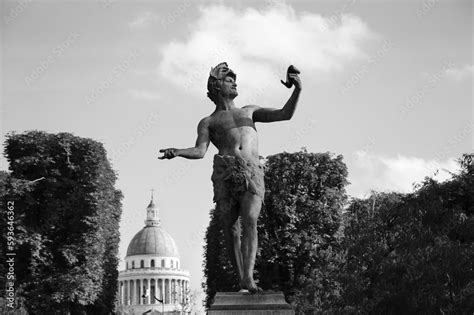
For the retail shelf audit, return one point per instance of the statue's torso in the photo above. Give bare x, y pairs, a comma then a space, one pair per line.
233, 132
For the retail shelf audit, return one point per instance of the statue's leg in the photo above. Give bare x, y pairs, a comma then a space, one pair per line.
230, 218
251, 205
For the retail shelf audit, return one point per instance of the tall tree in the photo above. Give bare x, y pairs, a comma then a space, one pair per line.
300, 228
67, 222
413, 253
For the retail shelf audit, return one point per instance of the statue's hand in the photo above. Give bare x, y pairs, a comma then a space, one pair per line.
167, 153
295, 80
292, 77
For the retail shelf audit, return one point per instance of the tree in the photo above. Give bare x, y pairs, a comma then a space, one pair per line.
299, 231
300, 228
66, 222
413, 253
368, 242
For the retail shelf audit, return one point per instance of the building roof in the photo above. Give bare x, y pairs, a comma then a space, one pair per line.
153, 240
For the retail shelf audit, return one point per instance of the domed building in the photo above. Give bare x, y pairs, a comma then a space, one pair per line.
153, 281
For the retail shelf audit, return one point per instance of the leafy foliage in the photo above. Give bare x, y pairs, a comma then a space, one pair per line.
413, 253
67, 214
300, 228
393, 253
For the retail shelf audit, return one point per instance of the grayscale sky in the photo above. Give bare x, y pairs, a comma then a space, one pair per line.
387, 84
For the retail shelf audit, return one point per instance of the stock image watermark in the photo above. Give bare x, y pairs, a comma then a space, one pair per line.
263, 89
15, 12
94, 95
50, 59
416, 98
138, 133
360, 73
335, 17
463, 132
295, 139
172, 16
365, 149
178, 173
426, 7
10, 256
106, 3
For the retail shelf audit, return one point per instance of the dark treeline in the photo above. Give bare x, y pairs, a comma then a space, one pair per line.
387, 254
66, 224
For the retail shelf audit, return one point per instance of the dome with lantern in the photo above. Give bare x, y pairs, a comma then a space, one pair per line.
153, 239
153, 279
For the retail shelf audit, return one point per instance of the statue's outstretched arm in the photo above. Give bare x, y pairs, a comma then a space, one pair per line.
196, 152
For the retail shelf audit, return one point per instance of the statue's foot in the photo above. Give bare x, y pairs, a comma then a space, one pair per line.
257, 289
249, 284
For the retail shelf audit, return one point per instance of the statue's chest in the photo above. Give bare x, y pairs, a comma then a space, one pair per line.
224, 123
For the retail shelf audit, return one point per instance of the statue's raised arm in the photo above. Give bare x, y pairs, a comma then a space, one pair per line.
262, 114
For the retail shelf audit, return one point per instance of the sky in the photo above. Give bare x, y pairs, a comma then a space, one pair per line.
387, 84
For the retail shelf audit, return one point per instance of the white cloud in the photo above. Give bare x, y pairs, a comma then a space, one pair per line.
460, 73
259, 45
141, 20
373, 172
145, 95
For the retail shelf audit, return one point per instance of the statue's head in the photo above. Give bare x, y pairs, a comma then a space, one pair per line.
217, 76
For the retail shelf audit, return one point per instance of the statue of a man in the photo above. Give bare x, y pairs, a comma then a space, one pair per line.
238, 174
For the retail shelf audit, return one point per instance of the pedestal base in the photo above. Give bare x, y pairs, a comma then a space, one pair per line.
236, 303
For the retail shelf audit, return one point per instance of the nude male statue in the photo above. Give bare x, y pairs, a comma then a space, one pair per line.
238, 174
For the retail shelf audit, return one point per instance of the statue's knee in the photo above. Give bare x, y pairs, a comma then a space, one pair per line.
252, 225
250, 219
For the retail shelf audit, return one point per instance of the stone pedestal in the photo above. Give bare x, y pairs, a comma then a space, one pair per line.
237, 303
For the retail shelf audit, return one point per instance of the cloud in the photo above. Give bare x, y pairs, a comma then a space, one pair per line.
144, 95
259, 45
460, 73
141, 20
381, 173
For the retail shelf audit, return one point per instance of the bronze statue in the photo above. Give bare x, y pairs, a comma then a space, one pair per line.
238, 174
